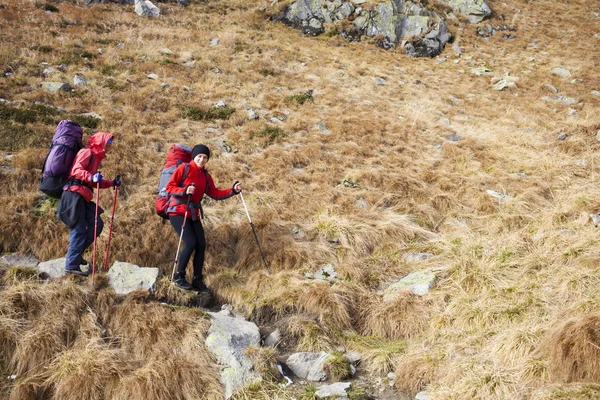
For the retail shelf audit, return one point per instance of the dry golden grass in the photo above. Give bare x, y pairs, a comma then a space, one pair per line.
515, 265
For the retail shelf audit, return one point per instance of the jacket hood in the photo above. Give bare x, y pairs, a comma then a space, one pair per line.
97, 142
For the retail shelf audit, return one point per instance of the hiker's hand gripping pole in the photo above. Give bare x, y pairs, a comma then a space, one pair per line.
187, 207
255, 236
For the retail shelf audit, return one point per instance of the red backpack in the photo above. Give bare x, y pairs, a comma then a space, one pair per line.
178, 153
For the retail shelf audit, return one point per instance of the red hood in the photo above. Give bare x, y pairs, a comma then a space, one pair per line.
97, 143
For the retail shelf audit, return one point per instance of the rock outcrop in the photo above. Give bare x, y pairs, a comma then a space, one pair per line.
227, 339
124, 277
309, 366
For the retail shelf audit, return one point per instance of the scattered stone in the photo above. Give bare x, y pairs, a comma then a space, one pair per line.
595, 219
481, 71
216, 70
504, 84
164, 85
220, 104
497, 195
100, 51
308, 365
335, 390
551, 88
418, 283
422, 396
360, 203
19, 260
273, 339
326, 272
145, 8
227, 339
54, 268
152, 76
322, 126
412, 257
48, 71
380, 81
598, 135
189, 64
596, 93
54, 87
125, 277
214, 42
561, 72
572, 112
186, 88
457, 49
565, 100
251, 114
166, 51
444, 121
575, 81
2, 101
475, 10
79, 81
562, 136
354, 357
453, 138
91, 115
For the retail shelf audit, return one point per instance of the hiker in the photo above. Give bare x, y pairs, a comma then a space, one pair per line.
76, 208
196, 183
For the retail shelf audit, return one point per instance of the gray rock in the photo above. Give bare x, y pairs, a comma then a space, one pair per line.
152, 76
251, 114
596, 93
164, 85
49, 71
54, 87
186, 88
418, 283
56, 268
562, 136
79, 81
220, 104
564, 100
598, 135
335, 390
360, 203
481, 71
227, 339
91, 114
412, 257
422, 396
497, 195
322, 126
189, 64
380, 81
166, 51
216, 70
551, 88
100, 51
475, 10
19, 260
561, 72
125, 277
571, 112
308, 365
444, 121
504, 84
326, 272
145, 8
273, 339
595, 219
453, 138
214, 42
353, 357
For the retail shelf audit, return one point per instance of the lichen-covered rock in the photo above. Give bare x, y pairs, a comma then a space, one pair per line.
418, 283
54, 87
308, 366
53, 268
19, 260
124, 277
145, 8
228, 338
475, 10
307, 15
335, 390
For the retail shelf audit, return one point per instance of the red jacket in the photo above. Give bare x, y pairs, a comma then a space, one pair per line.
199, 177
86, 164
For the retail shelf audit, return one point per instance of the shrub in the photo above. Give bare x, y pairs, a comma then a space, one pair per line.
300, 98
271, 133
207, 114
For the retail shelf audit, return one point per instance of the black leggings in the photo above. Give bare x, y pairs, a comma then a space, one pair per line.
193, 237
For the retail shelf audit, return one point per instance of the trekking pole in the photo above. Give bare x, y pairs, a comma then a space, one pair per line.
112, 220
254, 231
187, 207
95, 231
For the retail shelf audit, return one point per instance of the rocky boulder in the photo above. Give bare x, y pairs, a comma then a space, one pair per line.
309, 366
334, 390
475, 10
419, 283
227, 339
19, 260
393, 22
125, 277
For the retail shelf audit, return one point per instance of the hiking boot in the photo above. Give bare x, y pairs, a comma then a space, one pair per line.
77, 271
180, 282
198, 284
81, 261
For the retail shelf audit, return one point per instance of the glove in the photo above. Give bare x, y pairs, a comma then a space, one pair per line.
233, 187
117, 181
97, 177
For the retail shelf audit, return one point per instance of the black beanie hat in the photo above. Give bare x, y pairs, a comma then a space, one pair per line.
200, 149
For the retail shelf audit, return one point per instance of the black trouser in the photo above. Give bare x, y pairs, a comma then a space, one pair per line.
193, 237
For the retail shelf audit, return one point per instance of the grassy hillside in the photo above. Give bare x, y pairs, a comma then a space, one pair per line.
337, 169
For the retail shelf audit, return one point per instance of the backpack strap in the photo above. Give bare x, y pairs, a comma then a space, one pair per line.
185, 173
